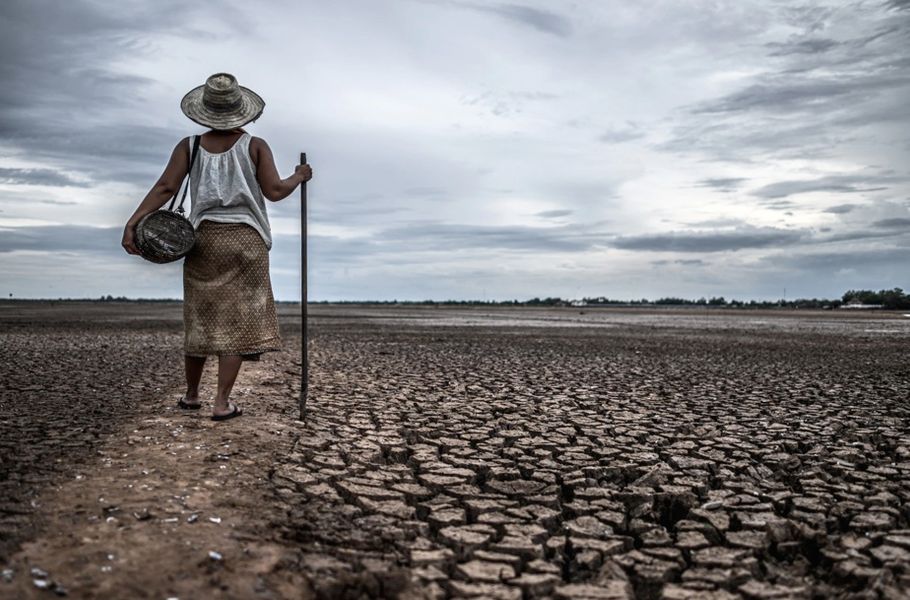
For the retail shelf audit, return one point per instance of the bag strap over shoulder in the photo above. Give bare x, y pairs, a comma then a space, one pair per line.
189, 170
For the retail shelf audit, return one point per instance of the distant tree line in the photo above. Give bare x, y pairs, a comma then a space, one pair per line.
894, 299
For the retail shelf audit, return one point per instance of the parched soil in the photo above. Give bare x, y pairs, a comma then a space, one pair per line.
461, 453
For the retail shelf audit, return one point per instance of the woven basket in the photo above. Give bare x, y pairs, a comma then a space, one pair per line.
164, 236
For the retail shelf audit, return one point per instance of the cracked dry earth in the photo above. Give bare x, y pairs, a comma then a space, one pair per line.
567, 454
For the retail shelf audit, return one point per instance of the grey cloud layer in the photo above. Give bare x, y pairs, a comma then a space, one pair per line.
808, 46
745, 237
827, 262
711, 241
38, 177
427, 244
61, 238
557, 120
542, 20
843, 184
62, 96
550, 214
894, 223
823, 91
722, 184
840, 209
783, 94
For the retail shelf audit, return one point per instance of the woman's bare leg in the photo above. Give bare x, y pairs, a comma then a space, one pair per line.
194, 365
228, 367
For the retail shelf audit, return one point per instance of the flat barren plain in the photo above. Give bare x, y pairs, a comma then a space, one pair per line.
567, 453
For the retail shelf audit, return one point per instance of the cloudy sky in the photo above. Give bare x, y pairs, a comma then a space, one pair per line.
479, 149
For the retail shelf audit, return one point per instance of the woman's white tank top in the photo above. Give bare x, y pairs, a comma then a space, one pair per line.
224, 188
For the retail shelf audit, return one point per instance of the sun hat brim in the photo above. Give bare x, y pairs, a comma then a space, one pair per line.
251, 106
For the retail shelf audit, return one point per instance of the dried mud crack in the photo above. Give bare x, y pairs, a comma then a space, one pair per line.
630, 462
528, 454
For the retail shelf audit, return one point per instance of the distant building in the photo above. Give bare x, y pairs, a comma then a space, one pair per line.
857, 304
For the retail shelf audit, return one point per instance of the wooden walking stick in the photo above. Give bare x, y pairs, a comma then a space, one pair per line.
304, 357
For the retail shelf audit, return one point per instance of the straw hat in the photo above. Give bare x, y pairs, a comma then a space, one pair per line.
221, 103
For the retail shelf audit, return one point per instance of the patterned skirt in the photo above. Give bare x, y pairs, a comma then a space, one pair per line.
228, 307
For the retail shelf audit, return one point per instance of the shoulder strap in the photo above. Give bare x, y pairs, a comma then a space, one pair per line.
189, 170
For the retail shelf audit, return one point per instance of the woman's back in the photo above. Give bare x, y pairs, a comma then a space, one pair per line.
224, 186
220, 141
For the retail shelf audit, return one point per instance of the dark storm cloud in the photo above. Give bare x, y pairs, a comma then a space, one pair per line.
52, 57
691, 262
809, 46
778, 204
841, 209
56, 202
550, 214
541, 20
722, 184
710, 241
103, 153
746, 237
844, 184
60, 238
785, 95
38, 177
897, 222
744, 140
63, 102
823, 94
836, 261
859, 235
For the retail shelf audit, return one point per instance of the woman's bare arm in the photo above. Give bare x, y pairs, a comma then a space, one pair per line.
163, 190
273, 186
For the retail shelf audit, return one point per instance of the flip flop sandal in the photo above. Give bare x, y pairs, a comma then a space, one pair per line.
234, 413
185, 406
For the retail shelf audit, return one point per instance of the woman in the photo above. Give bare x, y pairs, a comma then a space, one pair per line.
228, 307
